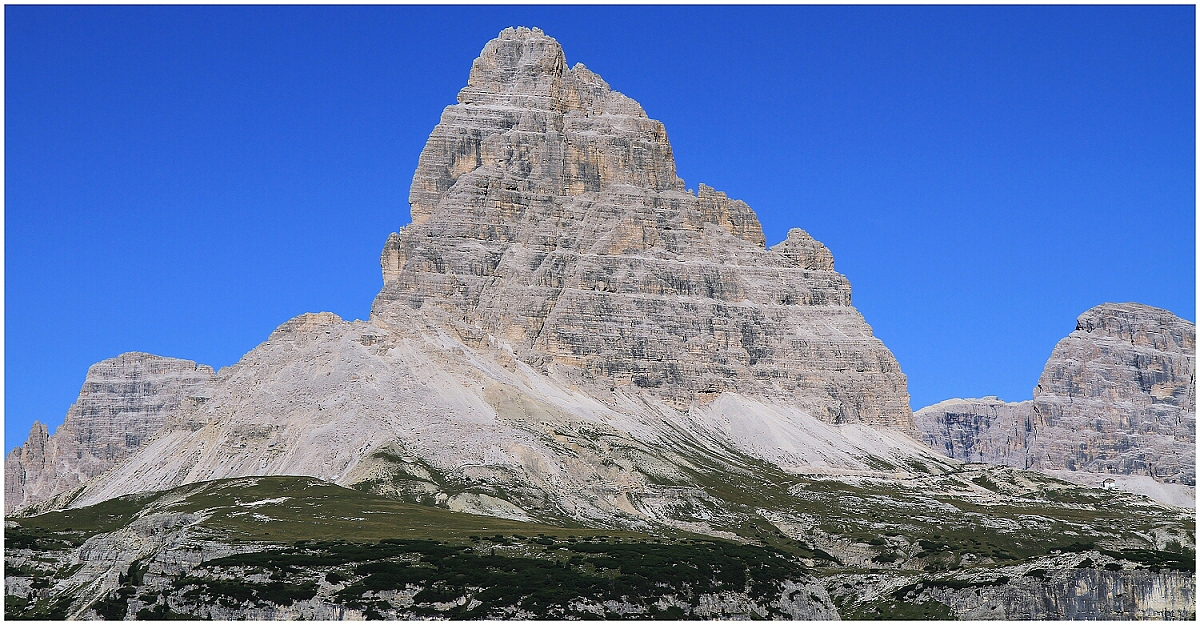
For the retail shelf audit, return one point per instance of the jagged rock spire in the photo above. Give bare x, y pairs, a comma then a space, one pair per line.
525, 117
547, 214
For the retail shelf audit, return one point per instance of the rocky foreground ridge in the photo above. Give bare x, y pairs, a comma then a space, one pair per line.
1116, 401
300, 548
568, 342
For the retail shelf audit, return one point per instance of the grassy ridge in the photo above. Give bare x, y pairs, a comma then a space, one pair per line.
281, 509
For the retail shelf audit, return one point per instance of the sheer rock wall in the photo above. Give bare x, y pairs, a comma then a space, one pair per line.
1117, 396
124, 401
558, 287
546, 212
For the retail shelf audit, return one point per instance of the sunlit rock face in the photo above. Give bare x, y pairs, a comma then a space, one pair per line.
985, 430
547, 213
565, 331
1117, 397
124, 402
1125, 381
568, 335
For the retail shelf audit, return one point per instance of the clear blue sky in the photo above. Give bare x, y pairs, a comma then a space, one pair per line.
181, 180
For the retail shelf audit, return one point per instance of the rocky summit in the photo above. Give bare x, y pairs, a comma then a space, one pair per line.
584, 391
547, 219
558, 287
1116, 402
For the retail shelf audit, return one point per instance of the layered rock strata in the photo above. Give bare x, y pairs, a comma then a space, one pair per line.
408, 410
987, 430
565, 332
1117, 397
124, 402
547, 214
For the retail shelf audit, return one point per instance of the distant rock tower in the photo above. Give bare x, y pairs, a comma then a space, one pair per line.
124, 401
1117, 396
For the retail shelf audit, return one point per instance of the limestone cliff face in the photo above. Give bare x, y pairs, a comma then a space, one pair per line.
1117, 397
1125, 382
124, 401
980, 430
565, 332
1082, 594
546, 212
408, 410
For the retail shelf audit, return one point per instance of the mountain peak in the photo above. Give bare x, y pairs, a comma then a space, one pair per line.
547, 215
518, 67
124, 401
1138, 324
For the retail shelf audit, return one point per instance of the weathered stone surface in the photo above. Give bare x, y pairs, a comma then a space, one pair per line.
1117, 397
980, 430
1071, 586
124, 401
546, 213
408, 410
565, 331
1125, 382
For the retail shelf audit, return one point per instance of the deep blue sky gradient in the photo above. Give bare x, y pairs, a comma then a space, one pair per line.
181, 180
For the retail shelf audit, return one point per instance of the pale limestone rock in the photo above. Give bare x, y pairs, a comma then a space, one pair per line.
1117, 397
124, 401
547, 214
1124, 384
364, 403
985, 430
565, 332
805, 252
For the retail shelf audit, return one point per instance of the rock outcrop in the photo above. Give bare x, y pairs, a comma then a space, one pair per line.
987, 430
546, 213
124, 401
1117, 398
565, 331
1125, 382
409, 410
568, 335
